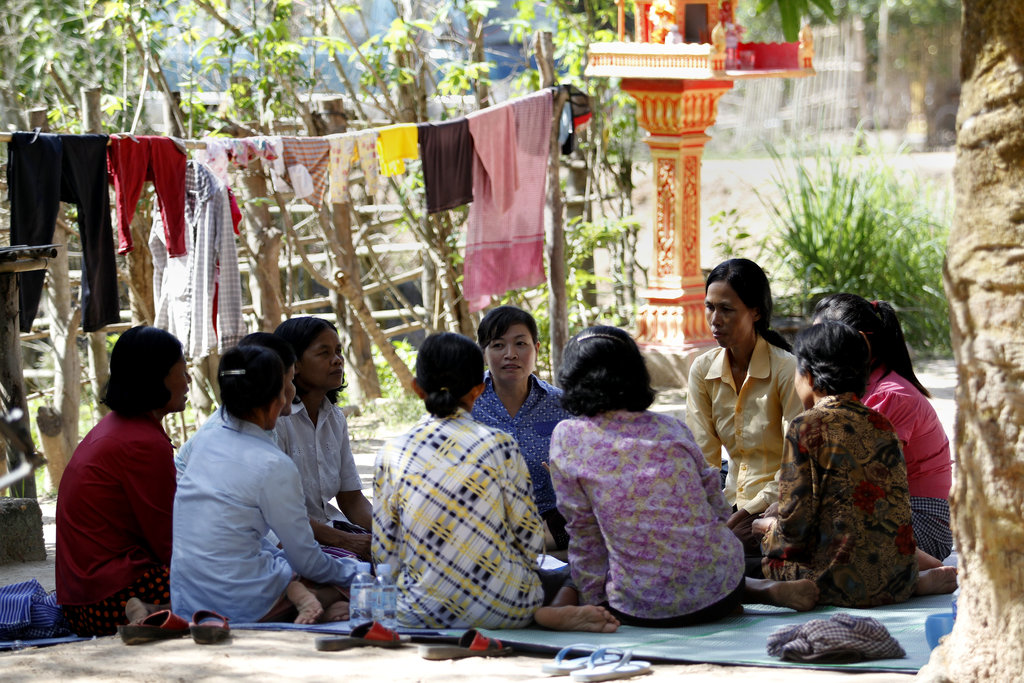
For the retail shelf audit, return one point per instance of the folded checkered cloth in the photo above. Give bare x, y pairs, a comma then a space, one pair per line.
843, 638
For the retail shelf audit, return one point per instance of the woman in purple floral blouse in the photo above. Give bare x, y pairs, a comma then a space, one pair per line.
646, 516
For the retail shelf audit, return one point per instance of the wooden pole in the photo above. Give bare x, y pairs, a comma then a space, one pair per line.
544, 49
12, 383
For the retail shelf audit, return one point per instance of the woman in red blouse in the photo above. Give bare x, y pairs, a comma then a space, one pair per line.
115, 499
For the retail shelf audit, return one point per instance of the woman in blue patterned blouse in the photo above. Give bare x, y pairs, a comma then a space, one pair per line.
518, 402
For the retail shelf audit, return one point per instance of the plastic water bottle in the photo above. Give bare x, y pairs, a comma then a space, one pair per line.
385, 610
362, 595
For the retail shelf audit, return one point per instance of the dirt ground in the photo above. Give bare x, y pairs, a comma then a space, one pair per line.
291, 656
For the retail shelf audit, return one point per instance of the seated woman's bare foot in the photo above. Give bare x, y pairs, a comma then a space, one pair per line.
135, 610
801, 595
337, 611
936, 581
577, 618
926, 561
309, 607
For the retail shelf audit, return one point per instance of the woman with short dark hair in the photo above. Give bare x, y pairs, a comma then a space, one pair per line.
115, 498
645, 513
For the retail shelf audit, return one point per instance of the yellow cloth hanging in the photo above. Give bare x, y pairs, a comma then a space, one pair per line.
395, 144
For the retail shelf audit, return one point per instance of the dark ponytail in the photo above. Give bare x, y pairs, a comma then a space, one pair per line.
879, 323
448, 366
751, 285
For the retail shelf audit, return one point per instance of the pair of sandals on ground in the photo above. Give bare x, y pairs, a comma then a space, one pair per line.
206, 628
603, 664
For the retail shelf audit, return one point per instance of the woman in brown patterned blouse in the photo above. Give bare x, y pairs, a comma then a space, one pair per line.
844, 506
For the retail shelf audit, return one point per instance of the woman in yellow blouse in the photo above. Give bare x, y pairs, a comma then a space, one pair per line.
741, 395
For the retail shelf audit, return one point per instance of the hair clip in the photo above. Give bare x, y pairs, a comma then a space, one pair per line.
445, 389
601, 335
225, 373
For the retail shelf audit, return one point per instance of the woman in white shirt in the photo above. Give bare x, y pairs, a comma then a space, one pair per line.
315, 436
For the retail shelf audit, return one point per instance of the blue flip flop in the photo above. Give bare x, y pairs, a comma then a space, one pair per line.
599, 669
561, 666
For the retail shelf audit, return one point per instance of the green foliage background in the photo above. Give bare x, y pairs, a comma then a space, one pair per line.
849, 222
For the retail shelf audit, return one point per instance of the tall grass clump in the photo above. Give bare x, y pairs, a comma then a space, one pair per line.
849, 223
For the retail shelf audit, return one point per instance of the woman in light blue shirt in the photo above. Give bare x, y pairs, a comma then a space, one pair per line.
239, 486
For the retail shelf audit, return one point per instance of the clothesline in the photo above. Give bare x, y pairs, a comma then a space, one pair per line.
201, 143
189, 144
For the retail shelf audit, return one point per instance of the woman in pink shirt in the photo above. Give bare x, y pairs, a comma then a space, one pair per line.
894, 390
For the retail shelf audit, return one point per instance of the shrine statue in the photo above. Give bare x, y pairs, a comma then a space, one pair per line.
662, 15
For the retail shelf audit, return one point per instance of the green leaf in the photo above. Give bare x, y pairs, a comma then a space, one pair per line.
790, 12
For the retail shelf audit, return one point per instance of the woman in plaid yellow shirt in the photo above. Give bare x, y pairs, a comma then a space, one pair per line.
454, 513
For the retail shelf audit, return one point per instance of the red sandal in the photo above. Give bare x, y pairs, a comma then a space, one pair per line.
370, 634
471, 644
161, 625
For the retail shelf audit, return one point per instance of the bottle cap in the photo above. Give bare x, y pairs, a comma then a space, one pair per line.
363, 567
384, 569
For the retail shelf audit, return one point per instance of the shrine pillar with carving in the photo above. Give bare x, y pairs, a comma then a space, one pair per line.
675, 113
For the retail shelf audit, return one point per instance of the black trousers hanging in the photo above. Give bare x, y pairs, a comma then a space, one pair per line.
42, 171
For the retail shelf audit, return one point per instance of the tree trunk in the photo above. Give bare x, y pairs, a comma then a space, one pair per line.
558, 309
476, 24
350, 290
882, 77
58, 423
263, 241
138, 270
985, 284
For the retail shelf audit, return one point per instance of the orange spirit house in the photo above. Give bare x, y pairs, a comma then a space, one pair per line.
682, 58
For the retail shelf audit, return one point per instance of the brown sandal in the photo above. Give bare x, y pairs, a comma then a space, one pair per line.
209, 627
